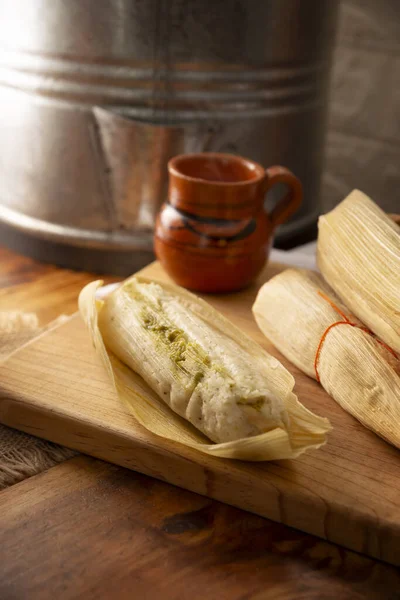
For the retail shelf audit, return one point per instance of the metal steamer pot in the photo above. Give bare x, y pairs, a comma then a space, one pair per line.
97, 95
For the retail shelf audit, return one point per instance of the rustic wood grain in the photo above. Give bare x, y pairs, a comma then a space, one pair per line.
347, 492
15, 268
90, 530
31, 286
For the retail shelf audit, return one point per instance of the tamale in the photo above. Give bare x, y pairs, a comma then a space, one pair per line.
309, 324
165, 349
359, 256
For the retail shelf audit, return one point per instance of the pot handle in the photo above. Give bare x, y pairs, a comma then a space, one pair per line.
291, 201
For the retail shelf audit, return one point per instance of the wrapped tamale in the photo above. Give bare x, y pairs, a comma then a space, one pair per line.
190, 375
359, 256
309, 324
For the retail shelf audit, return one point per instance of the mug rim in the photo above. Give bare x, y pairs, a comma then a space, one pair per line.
174, 170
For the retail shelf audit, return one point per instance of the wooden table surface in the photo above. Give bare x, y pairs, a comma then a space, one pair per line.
89, 529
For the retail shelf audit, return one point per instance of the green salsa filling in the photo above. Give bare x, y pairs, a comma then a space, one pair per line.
257, 404
188, 356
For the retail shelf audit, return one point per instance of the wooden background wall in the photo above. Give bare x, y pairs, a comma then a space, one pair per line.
363, 142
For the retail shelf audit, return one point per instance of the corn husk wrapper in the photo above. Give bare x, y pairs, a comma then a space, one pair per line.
354, 368
359, 256
305, 430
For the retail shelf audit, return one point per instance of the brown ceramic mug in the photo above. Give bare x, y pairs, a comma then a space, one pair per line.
214, 234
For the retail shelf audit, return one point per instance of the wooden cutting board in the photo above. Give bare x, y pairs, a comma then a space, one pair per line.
348, 492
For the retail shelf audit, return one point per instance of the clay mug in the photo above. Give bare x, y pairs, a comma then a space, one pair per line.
214, 234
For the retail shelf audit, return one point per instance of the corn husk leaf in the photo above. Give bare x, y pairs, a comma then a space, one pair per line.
354, 368
305, 430
359, 256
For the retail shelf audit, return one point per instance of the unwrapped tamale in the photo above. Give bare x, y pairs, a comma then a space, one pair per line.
167, 349
309, 324
359, 256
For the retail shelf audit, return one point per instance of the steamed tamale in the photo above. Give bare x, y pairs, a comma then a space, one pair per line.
198, 371
359, 256
164, 347
309, 324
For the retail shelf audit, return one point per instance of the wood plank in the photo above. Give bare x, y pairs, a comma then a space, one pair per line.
347, 492
90, 530
46, 290
292, 564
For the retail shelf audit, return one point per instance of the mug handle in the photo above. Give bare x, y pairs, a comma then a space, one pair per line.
291, 200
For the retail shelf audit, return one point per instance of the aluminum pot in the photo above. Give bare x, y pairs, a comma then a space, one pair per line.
97, 95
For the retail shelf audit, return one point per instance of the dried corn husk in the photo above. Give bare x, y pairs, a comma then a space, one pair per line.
353, 367
297, 431
359, 256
